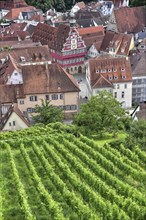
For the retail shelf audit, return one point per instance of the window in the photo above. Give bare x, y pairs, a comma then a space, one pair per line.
115, 77
54, 96
122, 69
73, 107
97, 71
115, 70
33, 98
15, 74
14, 123
9, 124
21, 102
109, 70
115, 94
47, 97
30, 110
103, 71
118, 86
125, 86
67, 107
110, 78
61, 96
123, 95
123, 77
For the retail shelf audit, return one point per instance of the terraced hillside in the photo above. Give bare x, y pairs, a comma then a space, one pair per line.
50, 175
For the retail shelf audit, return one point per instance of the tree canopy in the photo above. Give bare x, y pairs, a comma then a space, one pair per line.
137, 134
47, 113
102, 113
134, 3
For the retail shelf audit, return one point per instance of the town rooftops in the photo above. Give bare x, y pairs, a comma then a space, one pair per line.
14, 13
115, 70
118, 41
130, 20
48, 78
9, 4
28, 54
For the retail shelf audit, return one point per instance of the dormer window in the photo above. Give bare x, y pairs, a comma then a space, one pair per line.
115, 70
109, 70
97, 71
122, 69
115, 77
123, 77
110, 77
103, 71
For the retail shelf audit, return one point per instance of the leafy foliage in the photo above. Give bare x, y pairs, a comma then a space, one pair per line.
47, 113
137, 3
102, 113
137, 134
54, 175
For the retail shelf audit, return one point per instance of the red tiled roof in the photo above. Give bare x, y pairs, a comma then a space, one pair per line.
130, 20
8, 93
39, 79
32, 53
13, 14
38, 18
52, 36
89, 30
110, 67
119, 41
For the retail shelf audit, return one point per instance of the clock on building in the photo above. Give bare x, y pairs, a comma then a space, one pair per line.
73, 43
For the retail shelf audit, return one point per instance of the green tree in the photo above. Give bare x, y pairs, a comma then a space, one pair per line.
102, 113
137, 134
42, 4
137, 3
47, 113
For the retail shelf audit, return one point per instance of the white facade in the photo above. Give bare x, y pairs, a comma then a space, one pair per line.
15, 78
123, 93
14, 123
93, 52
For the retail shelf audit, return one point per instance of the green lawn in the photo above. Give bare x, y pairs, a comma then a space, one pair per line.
109, 138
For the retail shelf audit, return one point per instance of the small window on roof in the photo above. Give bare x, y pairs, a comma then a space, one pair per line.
97, 71
123, 77
115, 77
110, 77
103, 71
122, 69
109, 70
115, 70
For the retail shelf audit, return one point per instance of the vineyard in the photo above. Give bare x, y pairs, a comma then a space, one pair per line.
48, 174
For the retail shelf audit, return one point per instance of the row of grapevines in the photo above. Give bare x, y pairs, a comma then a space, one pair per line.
94, 184
118, 161
20, 187
141, 154
103, 174
133, 208
55, 210
75, 203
